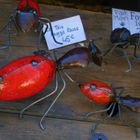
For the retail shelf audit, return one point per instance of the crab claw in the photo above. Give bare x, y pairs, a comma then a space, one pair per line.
96, 53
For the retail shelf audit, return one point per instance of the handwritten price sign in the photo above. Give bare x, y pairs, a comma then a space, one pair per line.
66, 31
127, 19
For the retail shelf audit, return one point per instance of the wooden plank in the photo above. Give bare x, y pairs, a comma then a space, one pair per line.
72, 104
12, 128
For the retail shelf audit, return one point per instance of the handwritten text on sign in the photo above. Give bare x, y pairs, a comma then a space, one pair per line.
127, 19
66, 31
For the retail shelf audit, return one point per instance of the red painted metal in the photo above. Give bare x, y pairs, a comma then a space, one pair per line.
100, 93
25, 77
30, 3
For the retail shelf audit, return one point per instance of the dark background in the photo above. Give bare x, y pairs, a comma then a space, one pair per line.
97, 5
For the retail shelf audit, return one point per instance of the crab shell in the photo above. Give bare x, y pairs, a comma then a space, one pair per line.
25, 76
96, 91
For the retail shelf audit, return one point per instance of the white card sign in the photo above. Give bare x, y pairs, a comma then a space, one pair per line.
66, 31
127, 19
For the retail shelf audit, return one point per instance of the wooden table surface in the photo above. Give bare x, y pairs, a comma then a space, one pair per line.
66, 120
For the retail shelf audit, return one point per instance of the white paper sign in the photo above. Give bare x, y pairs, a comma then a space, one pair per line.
127, 19
66, 31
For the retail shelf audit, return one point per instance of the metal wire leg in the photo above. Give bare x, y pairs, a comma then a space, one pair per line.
128, 61
99, 111
69, 77
110, 115
135, 52
110, 50
47, 111
8, 32
51, 29
119, 110
40, 34
129, 125
39, 100
39, 39
121, 90
8, 27
4, 27
100, 121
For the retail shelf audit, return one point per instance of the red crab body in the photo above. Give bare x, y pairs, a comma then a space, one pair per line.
96, 91
27, 15
25, 77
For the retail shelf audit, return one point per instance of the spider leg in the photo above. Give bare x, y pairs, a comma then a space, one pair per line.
43, 21
117, 94
136, 57
99, 111
127, 59
110, 50
47, 111
8, 30
8, 27
39, 39
41, 99
102, 120
121, 90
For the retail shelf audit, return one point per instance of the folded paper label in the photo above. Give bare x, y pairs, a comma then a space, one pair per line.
66, 31
125, 18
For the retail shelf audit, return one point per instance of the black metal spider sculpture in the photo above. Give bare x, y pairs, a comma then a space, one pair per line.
121, 38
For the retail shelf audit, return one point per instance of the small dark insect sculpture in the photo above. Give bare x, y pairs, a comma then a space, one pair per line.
30, 74
27, 18
102, 93
121, 38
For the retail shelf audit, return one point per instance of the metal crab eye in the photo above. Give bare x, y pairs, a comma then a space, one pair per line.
34, 63
93, 87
